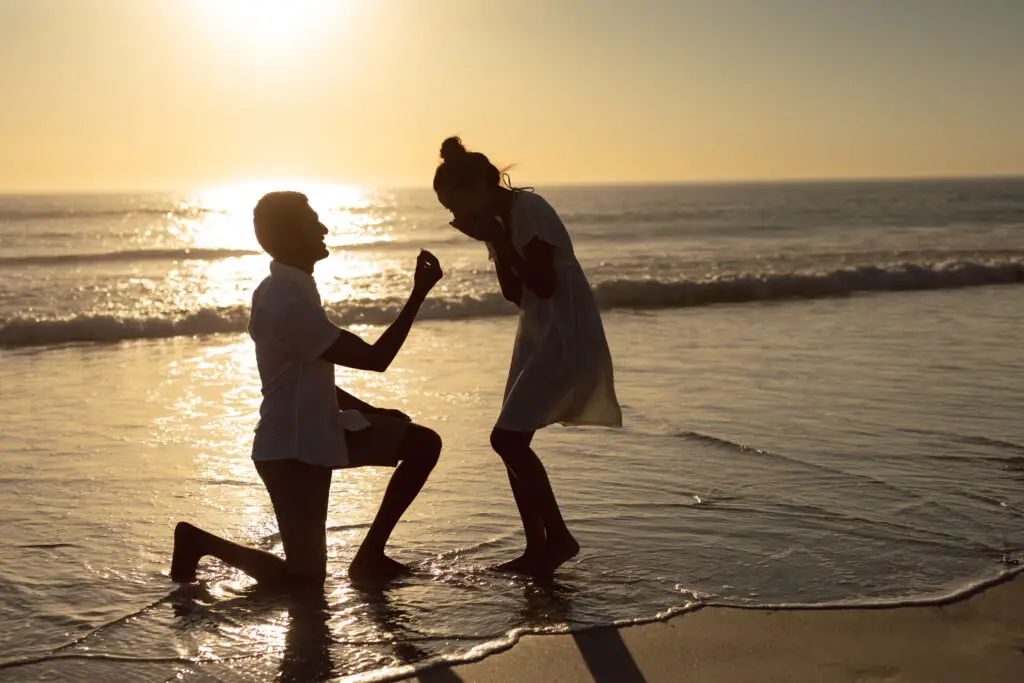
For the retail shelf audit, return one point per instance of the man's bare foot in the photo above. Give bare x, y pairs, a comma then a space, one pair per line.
559, 551
530, 562
376, 568
187, 552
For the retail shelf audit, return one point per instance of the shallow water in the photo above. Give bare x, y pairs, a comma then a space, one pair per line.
802, 426
838, 451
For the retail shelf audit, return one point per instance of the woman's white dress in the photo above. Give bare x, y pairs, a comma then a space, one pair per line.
561, 367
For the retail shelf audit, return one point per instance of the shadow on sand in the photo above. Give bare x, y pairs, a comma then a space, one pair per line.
605, 653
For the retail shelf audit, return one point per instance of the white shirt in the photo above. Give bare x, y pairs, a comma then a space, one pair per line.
299, 416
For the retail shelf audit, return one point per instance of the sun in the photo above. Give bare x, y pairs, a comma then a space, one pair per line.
268, 22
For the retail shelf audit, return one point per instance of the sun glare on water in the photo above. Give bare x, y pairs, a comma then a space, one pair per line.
240, 199
223, 220
227, 213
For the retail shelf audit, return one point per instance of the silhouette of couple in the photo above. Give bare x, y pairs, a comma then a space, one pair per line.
561, 371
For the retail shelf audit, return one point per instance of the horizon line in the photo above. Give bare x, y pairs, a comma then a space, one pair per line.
796, 180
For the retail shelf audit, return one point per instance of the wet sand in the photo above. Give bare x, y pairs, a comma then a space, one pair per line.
977, 639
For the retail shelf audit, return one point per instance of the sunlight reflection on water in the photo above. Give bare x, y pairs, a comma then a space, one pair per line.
353, 217
703, 492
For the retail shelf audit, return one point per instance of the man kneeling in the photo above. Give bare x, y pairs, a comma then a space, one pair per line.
308, 426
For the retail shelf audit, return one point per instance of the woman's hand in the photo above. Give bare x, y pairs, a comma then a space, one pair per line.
535, 269
511, 283
480, 228
506, 255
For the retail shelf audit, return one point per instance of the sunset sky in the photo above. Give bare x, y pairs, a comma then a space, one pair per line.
176, 94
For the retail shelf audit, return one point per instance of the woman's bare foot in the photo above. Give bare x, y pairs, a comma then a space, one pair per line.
376, 568
560, 550
188, 550
530, 562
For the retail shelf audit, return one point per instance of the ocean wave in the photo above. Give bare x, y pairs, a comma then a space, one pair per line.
427, 240
669, 216
196, 254
941, 599
20, 332
648, 294
641, 294
107, 328
130, 255
51, 213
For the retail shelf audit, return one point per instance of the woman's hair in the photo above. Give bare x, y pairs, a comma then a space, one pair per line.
461, 168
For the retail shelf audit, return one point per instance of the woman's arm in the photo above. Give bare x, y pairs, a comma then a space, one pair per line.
535, 269
540, 274
511, 284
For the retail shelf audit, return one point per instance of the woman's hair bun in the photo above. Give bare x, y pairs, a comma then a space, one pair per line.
452, 148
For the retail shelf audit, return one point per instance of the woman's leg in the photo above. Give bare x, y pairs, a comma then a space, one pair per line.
533, 493
533, 525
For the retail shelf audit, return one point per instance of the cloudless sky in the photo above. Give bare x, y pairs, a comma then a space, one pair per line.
167, 94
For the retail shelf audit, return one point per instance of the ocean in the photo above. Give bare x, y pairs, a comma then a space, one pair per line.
821, 385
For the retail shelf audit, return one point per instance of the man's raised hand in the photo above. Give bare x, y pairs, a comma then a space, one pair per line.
428, 271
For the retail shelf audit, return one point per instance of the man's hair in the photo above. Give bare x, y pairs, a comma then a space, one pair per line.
273, 215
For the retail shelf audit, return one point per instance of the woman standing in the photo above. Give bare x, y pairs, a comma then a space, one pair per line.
561, 368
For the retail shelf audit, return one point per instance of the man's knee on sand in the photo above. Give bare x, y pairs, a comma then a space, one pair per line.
296, 491
305, 553
299, 493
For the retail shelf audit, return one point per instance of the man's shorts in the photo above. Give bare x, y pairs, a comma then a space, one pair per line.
377, 445
299, 493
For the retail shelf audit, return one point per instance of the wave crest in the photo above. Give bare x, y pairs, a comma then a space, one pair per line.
56, 213
647, 294
130, 256
642, 294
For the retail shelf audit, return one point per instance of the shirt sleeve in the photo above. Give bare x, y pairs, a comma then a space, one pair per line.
536, 219
301, 327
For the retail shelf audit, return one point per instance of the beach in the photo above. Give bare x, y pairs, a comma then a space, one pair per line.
978, 638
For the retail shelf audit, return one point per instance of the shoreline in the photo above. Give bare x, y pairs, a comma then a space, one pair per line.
972, 637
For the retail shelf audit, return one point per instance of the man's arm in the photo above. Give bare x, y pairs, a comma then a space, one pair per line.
351, 351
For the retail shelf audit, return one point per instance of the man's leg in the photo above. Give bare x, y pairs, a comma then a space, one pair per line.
416, 453
192, 544
299, 494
